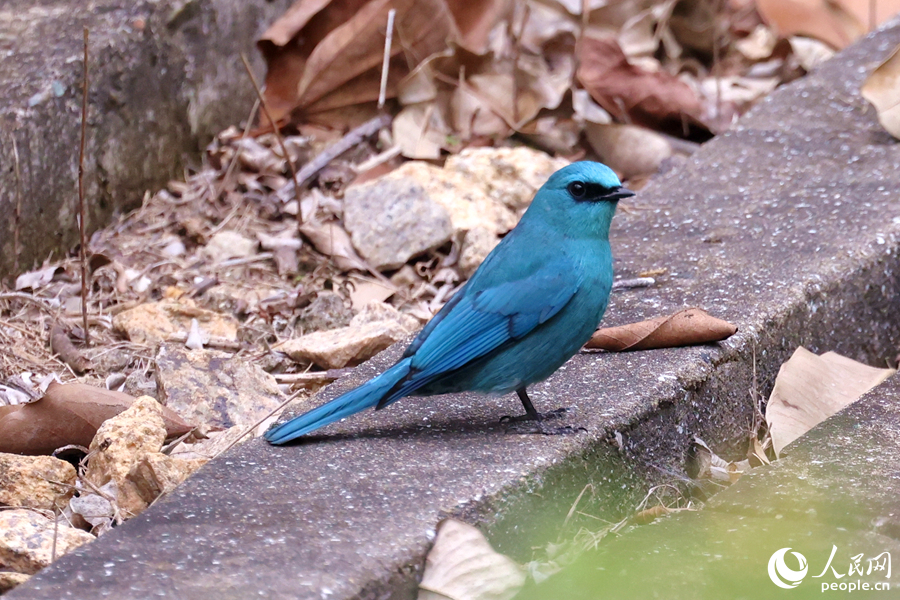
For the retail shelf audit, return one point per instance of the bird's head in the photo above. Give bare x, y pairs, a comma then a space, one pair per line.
579, 200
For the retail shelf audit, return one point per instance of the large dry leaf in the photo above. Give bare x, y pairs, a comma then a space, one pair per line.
323, 55
628, 150
656, 100
420, 131
331, 240
463, 566
882, 89
685, 328
68, 414
826, 20
811, 388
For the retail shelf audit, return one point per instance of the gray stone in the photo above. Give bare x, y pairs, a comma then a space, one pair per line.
345, 346
28, 540
379, 311
214, 388
477, 244
327, 311
805, 189
165, 77
393, 220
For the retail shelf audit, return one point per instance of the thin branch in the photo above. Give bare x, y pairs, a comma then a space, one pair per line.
81, 223
389, 36
265, 107
353, 137
18, 214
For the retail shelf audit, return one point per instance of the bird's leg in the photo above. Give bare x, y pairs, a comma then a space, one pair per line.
538, 418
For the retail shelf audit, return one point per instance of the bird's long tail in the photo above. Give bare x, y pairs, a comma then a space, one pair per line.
365, 396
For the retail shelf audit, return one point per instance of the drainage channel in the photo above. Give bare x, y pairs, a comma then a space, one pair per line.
787, 226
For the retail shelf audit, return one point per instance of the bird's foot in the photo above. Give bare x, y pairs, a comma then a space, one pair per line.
537, 423
535, 417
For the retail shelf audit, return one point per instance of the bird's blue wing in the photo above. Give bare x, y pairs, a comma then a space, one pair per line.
435, 320
474, 323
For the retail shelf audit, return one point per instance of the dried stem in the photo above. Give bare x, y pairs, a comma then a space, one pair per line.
81, 222
265, 107
18, 214
385, 65
351, 139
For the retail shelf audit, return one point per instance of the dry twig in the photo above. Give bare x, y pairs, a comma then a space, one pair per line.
265, 107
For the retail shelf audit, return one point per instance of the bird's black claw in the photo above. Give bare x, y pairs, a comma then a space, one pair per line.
537, 417
537, 423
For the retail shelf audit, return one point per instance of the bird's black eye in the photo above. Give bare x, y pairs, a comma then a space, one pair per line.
577, 189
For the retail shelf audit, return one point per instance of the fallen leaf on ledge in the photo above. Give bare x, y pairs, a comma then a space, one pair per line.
811, 388
687, 327
462, 564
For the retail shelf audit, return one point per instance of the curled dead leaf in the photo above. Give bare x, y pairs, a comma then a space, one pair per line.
462, 564
324, 54
68, 414
330, 239
63, 346
687, 327
656, 100
810, 388
826, 20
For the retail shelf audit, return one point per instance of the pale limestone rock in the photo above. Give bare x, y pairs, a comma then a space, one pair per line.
155, 474
393, 220
153, 322
27, 481
346, 346
508, 175
379, 311
9, 580
120, 443
477, 244
214, 388
229, 244
26, 540
465, 198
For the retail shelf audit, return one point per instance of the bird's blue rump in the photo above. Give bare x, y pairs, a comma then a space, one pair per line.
529, 307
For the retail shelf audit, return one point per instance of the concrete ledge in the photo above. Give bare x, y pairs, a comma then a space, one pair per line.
165, 78
788, 226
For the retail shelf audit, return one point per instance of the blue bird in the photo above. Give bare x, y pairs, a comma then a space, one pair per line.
530, 306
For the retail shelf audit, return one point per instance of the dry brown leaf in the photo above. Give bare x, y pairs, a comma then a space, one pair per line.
324, 55
871, 13
68, 353
648, 515
420, 131
811, 388
364, 292
331, 240
68, 414
628, 150
463, 565
882, 89
710, 465
656, 100
826, 20
685, 328
35, 279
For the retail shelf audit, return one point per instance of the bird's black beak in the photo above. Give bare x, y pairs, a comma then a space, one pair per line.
619, 193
